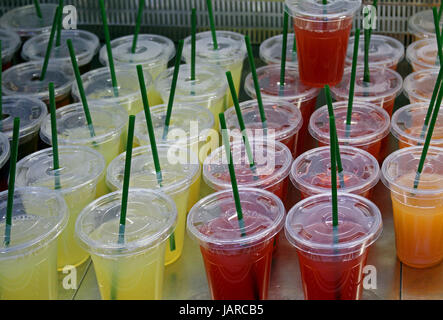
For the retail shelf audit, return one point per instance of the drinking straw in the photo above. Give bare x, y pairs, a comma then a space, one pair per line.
11, 185
50, 42
236, 195
440, 10
59, 25
212, 24
193, 41
374, 4
37, 9
294, 48
178, 58
352, 82
108, 48
437, 34
141, 5
283, 51
366, 75
55, 158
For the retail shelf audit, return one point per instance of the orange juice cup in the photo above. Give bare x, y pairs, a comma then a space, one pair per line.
418, 86
423, 54
421, 25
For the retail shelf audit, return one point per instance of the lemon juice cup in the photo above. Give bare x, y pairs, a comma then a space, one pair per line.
421, 25
270, 50
418, 86
10, 45
81, 171
132, 270
423, 54
28, 266
178, 172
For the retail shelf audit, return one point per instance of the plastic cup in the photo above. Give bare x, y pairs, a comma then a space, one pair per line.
369, 125
283, 120
28, 266
418, 86
322, 33
132, 270
85, 46
10, 45
80, 175
24, 79
229, 56
384, 51
385, 85
5, 152
109, 123
153, 52
423, 54
237, 267
31, 112
311, 172
332, 259
270, 50
207, 90
98, 86
178, 173
418, 213
421, 25
303, 97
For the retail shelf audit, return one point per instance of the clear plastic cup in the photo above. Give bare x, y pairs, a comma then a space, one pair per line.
407, 126
270, 50
311, 172
418, 86
28, 265
178, 173
229, 56
26, 23
423, 54
11, 43
385, 85
31, 112
79, 178
322, 33
384, 51
109, 123
132, 269
418, 213
153, 52
369, 125
24, 79
332, 259
213, 223
85, 46
283, 120
5, 152
295, 92
421, 25
98, 86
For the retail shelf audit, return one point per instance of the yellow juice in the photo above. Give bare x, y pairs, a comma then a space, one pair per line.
236, 71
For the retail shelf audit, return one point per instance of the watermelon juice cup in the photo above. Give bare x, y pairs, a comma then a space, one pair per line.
10, 45
423, 54
295, 92
270, 50
421, 25
311, 172
418, 86
5, 152
332, 259
322, 33
213, 223
369, 125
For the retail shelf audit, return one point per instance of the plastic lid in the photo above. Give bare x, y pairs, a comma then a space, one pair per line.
270, 50
150, 219
423, 54
369, 123
26, 23
85, 46
269, 80
10, 44
421, 24
309, 228
5, 149
311, 171
38, 217
79, 166
418, 86
31, 112
384, 51
231, 48
283, 119
273, 163
314, 9
24, 79
213, 220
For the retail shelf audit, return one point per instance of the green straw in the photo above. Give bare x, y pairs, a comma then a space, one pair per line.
212, 24
333, 170
193, 41
50, 42
352, 82
440, 10
55, 158
283, 51
374, 4
59, 25
11, 185
431, 103
437, 34
141, 5
37, 9
366, 75
294, 48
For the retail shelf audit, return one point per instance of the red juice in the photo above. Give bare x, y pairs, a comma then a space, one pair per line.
372, 148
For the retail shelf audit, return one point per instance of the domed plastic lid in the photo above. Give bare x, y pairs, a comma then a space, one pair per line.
150, 219
10, 44
38, 216
311, 171
369, 123
5, 149
421, 24
24, 79
423, 54
309, 227
314, 9
85, 46
269, 81
384, 51
270, 50
418, 86
79, 166
26, 23
231, 48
